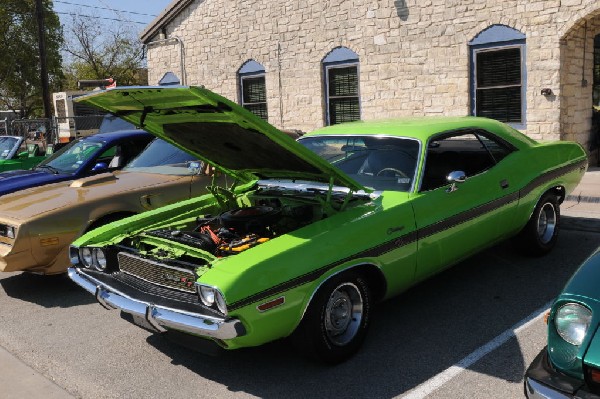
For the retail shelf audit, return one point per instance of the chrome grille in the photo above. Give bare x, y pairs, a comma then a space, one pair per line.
157, 273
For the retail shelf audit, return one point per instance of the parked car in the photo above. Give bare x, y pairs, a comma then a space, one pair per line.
38, 224
82, 157
569, 367
15, 153
315, 232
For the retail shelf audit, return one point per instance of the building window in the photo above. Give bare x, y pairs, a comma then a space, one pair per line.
498, 75
341, 86
253, 90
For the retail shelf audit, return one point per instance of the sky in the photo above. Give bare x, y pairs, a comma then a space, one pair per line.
139, 13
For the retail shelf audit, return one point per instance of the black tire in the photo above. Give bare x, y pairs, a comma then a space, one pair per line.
539, 235
328, 332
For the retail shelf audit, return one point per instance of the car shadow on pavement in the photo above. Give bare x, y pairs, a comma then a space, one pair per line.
47, 291
413, 337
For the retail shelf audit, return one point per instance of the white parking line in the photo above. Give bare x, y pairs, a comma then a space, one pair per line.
442, 378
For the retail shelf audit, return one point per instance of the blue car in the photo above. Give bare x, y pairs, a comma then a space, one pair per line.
83, 157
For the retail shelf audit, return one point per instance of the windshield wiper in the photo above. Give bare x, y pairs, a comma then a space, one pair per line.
51, 168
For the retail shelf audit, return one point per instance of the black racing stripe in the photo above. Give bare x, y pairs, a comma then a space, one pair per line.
551, 175
412, 236
467, 215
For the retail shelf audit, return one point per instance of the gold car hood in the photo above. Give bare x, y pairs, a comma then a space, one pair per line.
30, 203
219, 132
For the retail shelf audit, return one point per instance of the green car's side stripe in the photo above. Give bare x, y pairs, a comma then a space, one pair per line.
414, 235
553, 174
315, 274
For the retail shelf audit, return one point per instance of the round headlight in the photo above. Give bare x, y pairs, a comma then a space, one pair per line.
572, 321
99, 259
86, 256
207, 295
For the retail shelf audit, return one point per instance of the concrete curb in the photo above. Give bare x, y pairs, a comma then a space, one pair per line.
18, 381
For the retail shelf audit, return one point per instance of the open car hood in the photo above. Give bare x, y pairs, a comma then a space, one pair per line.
218, 131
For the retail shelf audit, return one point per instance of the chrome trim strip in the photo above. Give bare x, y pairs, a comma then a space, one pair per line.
161, 318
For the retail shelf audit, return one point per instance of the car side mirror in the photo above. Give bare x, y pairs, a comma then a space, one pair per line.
100, 167
454, 177
23, 155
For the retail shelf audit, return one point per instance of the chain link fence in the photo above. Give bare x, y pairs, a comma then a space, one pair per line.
51, 130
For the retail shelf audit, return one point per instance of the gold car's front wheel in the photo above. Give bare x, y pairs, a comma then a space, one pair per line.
336, 320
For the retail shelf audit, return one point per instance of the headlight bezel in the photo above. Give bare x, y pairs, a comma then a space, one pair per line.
8, 231
83, 257
98, 264
572, 321
211, 297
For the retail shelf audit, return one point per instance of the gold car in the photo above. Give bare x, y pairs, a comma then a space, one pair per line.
38, 224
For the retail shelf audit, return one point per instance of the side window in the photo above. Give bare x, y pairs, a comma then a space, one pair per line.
497, 149
107, 155
498, 75
253, 89
340, 68
470, 152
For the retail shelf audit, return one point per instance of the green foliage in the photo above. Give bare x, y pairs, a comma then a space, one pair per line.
20, 82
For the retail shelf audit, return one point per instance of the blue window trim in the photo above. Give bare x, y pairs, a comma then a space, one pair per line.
503, 37
340, 57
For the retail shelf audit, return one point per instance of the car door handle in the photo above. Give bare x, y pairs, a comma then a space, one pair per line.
504, 184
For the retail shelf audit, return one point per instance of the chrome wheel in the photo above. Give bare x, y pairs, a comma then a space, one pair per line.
546, 223
343, 314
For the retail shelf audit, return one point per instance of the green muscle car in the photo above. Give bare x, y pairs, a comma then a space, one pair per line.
313, 233
569, 367
17, 153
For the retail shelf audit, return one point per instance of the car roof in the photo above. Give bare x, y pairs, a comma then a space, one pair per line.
120, 134
424, 127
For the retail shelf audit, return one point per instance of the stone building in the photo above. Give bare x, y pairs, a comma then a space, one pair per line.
306, 64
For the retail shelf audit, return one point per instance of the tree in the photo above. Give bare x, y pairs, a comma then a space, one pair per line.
20, 85
99, 51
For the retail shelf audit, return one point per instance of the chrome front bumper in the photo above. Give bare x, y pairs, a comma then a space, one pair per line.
158, 318
542, 381
536, 390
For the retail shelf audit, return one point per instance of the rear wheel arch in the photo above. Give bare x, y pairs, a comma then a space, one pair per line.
540, 234
559, 191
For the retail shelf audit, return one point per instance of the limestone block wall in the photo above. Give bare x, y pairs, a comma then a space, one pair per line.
414, 55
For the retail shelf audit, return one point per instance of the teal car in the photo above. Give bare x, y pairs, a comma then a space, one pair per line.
15, 154
569, 367
311, 234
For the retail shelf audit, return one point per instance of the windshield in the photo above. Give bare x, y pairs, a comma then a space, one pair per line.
377, 162
163, 158
6, 146
70, 158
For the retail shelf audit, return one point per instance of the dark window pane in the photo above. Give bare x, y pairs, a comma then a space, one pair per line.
255, 90
499, 68
502, 104
259, 110
343, 81
343, 110
254, 95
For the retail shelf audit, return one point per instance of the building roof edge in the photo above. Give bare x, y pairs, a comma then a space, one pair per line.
165, 17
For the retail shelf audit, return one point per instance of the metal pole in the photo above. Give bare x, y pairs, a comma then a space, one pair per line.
39, 12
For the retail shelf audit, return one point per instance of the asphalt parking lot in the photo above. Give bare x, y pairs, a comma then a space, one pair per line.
452, 336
